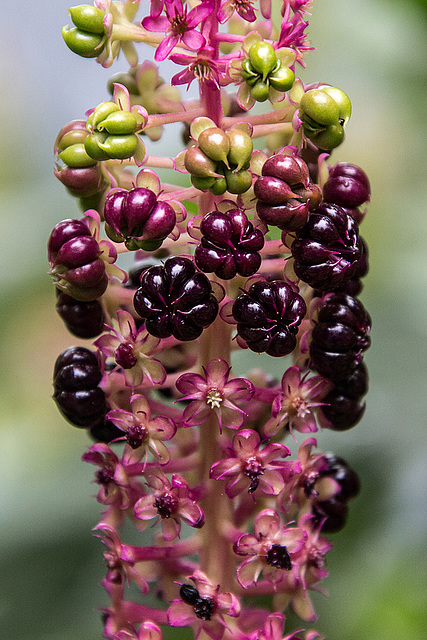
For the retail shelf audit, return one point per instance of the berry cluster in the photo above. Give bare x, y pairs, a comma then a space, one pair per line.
241, 248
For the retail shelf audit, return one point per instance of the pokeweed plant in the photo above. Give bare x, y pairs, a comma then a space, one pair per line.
253, 249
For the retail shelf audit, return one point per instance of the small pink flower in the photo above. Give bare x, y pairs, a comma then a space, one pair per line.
170, 502
249, 467
147, 631
180, 25
202, 67
292, 34
273, 629
214, 392
119, 569
144, 434
293, 406
243, 7
271, 550
131, 349
311, 557
206, 613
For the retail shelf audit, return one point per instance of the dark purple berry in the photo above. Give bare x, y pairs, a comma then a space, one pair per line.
348, 480
175, 299
230, 245
332, 513
339, 337
268, 316
104, 431
347, 185
189, 594
82, 319
343, 409
204, 608
76, 392
327, 249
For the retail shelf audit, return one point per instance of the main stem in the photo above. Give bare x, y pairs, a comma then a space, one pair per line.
216, 556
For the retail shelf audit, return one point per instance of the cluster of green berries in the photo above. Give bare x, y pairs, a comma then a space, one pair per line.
324, 113
87, 37
219, 162
112, 133
263, 69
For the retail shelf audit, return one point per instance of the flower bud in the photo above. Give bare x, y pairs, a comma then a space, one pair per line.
87, 45
88, 18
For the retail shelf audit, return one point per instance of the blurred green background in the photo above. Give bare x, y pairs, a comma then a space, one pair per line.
50, 566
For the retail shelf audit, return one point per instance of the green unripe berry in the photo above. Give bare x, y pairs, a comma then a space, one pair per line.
342, 100
76, 156
282, 79
219, 187
88, 18
87, 45
247, 70
320, 106
329, 138
259, 91
100, 113
203, 184
238, 182
120, 147
147, 245
119, 123
263, 58
241, 147
112, 234
75, 136
93, 149
215, 144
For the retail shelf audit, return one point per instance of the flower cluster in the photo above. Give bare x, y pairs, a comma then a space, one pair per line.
245, 250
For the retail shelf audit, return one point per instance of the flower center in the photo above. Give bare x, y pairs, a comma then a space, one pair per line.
179, 24
299, 407
125, 356
136, 435
201, 70
165, 505
104, 476
204, 608
278, 556
253, 470
214, 399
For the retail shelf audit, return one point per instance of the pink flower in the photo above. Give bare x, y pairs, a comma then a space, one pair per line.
273, 629
172, 502
180, 26
243, 7
207, 610
147, 631
271, 550
293, 406
131, 349
292, 34
119, 569
143, 433
202, 67
214, 392
249, 467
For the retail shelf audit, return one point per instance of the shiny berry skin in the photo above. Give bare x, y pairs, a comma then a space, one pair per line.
136, 216
339, 337
327, 249
175, 299
339, 470
268, 316
82, 319
76, 377
284, 193
104, 431
229, 245
343, 408
74, 259
347, 185
332, 513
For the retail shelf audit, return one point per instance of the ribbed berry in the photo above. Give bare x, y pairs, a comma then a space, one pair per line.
327, 249
284, 193
137, 218
229, 245
175, 299
76, 392
343, 408
82, 319
74, 258
268, 316
339, 337
347, 185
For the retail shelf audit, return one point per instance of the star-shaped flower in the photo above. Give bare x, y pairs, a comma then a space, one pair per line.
131, 349
214, 392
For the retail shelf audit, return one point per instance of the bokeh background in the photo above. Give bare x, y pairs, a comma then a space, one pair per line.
50, 566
